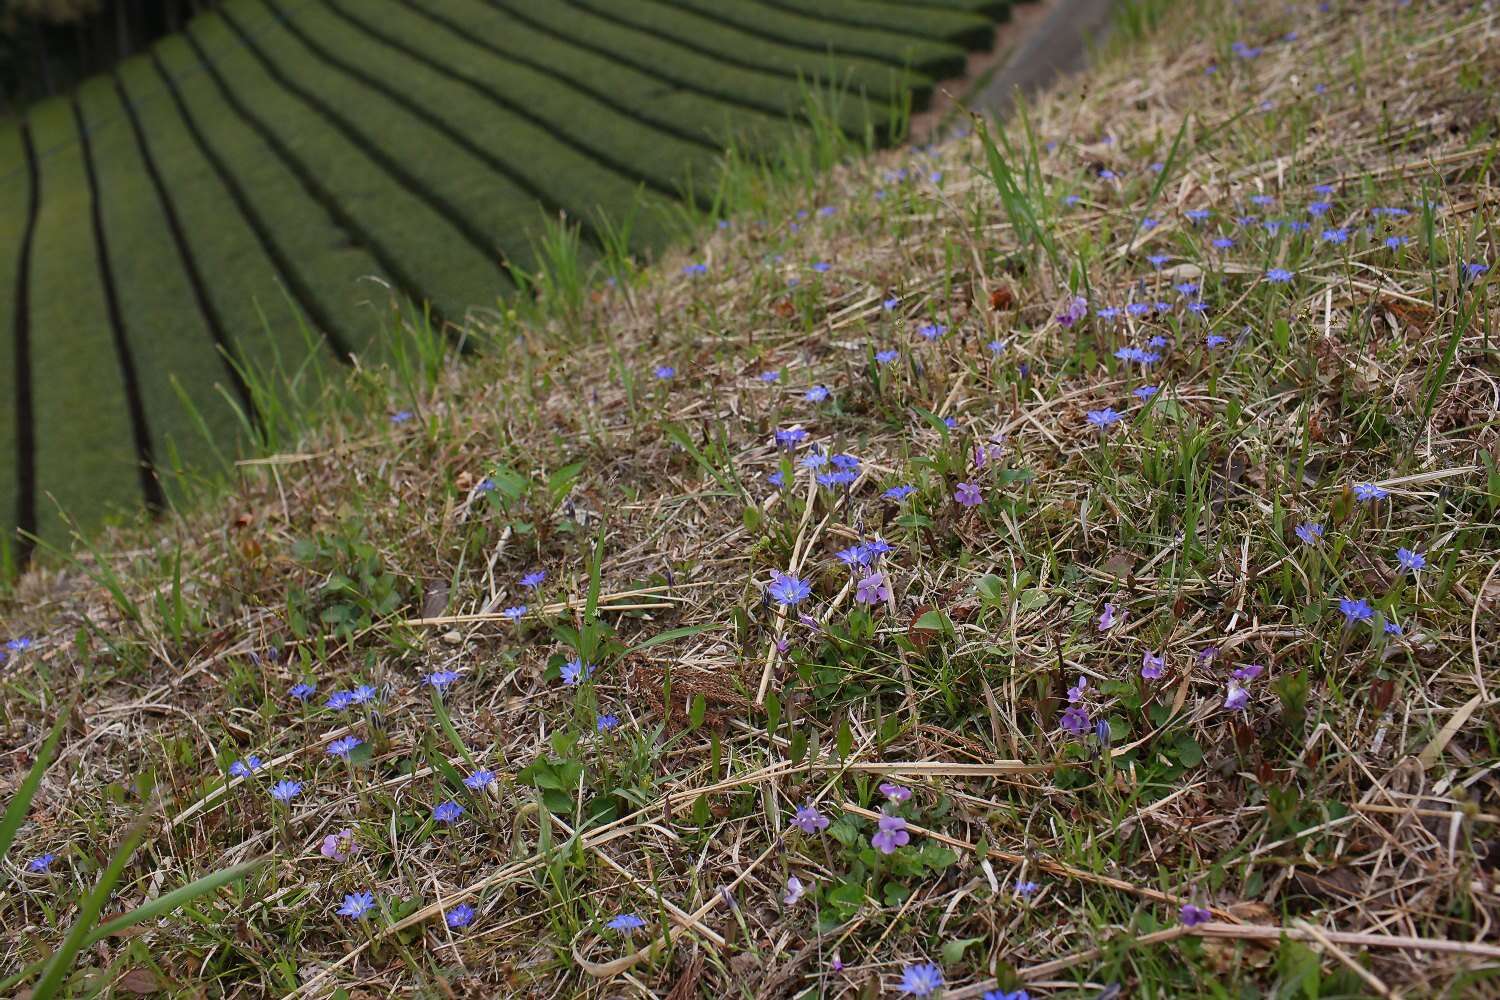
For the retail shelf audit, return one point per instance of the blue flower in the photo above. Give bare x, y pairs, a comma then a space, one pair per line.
1369, 491
605, 723
788, 591
1340, 235
665, 371
1003, 995
1395, 242
480, 780
790, 436
695, 269
817, 394
1410, 561
41, 863
899, 493
460, 916
1319, 208
1261, 199
447, 812
533, 580
357, 904
996, 346
770, 377
1215, 340
401, 416
344, 747
1158, 259
443, 679
1310, 532
776, 479
1145, 392
844, 460
1108, 312
1222, 243
890, 304
931, 331
1026, 889
1198, 214
516, 613
822, 267
1473, 270
1105, 417
1356, 611
362, 694
575, 671
922, 979
814, 460
303, 691
245, 768
1323, 189
626, 923
854, 555
286, 791
1278, 275
886, 357
1391, 628
339, 700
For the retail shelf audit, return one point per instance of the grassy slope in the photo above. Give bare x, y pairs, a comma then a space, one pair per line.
85, 454
1274, 400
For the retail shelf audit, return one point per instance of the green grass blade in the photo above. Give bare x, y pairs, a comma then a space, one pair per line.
15, 810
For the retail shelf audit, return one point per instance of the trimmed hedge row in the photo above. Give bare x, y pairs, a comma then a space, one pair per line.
934, 58
509, 112
729, 44
173, 342
971, 30
628, 91
15, 212
86, 456
443, 267
329, 256
770, 90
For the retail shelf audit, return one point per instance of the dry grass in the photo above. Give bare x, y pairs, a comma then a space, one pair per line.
1341, 829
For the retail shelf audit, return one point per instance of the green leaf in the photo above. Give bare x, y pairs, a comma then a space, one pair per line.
953, 951
669, 635
845, 741
561, 481
697, 709
991, 589
15, 810
1189, 753
1034, 598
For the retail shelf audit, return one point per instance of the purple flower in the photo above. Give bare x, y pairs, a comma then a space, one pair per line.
1026, 889
788, 591
515, 613
770, 377
886, 357
891, 834
357, 904
41, 863
447, 812
1310, 533
931, 331
443, 679
1319, 208
479, 780
1075, 693
533, 580
1356, 611
1368, 492
809, 820
695, 269
890, 303
1003, 995
899, 493
1192, 916
605, 723
893, 792
822, 267
342, 748
1152, 667
286, 791
626, 923
1279, 276
1410, 561
459, 917
996, 346
968, 495
245, 768
1145, 392
665, 372
817, 394
1105, 417
872, 589
921, 980
1075, 719
794, 890
1222, 243
401, 416
790, 436
1198, 214
339, 846
575, 671
1074, 311
1248, 672
1107, 618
